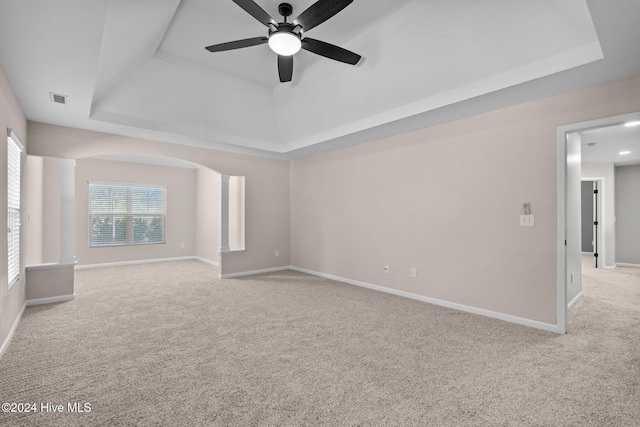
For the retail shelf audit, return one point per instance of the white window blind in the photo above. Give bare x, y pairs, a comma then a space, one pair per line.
126, 214
14, 150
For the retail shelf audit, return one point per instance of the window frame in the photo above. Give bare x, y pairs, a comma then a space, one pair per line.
14, 147
129, 215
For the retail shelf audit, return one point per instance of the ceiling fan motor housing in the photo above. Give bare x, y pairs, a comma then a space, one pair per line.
283, 27
285, 9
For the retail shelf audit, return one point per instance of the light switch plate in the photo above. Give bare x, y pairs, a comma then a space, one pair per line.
526, 221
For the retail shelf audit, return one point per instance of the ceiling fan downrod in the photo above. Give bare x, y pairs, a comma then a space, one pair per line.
285, 38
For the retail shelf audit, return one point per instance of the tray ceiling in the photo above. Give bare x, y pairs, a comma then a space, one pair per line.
140, 68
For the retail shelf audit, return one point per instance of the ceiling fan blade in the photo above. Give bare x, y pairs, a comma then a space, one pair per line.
256, 11
330, 51
238, 44
319, 12
285, 68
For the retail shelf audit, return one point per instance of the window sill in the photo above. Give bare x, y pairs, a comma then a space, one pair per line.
117, 245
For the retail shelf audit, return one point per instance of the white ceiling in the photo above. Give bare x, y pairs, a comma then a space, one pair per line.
603, 145
139, 67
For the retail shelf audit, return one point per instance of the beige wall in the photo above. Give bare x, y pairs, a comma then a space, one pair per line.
628, 214
11, 300
181, 208
207, 214
266, 193
446, 200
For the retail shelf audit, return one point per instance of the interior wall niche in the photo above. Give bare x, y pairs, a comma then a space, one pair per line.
236, 213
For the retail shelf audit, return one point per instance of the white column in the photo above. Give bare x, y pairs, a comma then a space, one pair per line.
67, 211
224, 213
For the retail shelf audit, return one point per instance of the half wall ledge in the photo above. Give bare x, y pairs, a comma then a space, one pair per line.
48, 283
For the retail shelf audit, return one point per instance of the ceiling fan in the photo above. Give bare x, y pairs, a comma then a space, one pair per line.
287, 38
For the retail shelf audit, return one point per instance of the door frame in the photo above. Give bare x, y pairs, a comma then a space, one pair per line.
600, 215
561, 214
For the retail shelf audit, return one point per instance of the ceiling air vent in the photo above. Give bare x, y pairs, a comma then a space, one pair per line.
56, 97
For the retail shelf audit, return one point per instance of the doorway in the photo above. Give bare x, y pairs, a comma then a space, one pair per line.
575, 165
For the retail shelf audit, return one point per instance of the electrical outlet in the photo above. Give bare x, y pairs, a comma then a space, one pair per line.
386, 269
182, 245
526, 221
277, 253
414, 272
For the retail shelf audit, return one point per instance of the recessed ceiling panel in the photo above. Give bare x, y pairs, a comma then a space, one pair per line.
435, 53
132, 33
201, 23
166, 98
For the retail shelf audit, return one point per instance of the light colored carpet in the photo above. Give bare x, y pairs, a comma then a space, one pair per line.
170, 344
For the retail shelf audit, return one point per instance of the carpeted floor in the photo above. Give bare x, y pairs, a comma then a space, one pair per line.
170, 344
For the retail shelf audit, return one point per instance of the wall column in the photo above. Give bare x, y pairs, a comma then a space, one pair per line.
67, 211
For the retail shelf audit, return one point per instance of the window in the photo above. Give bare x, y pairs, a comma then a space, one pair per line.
126, 214
14, 151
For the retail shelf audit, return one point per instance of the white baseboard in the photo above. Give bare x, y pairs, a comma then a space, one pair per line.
207, 261
251, 273
7, 340
49, 300
27, 303
624, 264
443, 303
609, 267
575, 300
141, 261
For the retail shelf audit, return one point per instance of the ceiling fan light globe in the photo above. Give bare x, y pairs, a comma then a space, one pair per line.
285, 43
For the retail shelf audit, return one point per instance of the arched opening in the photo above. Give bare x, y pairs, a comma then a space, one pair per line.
66, 221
